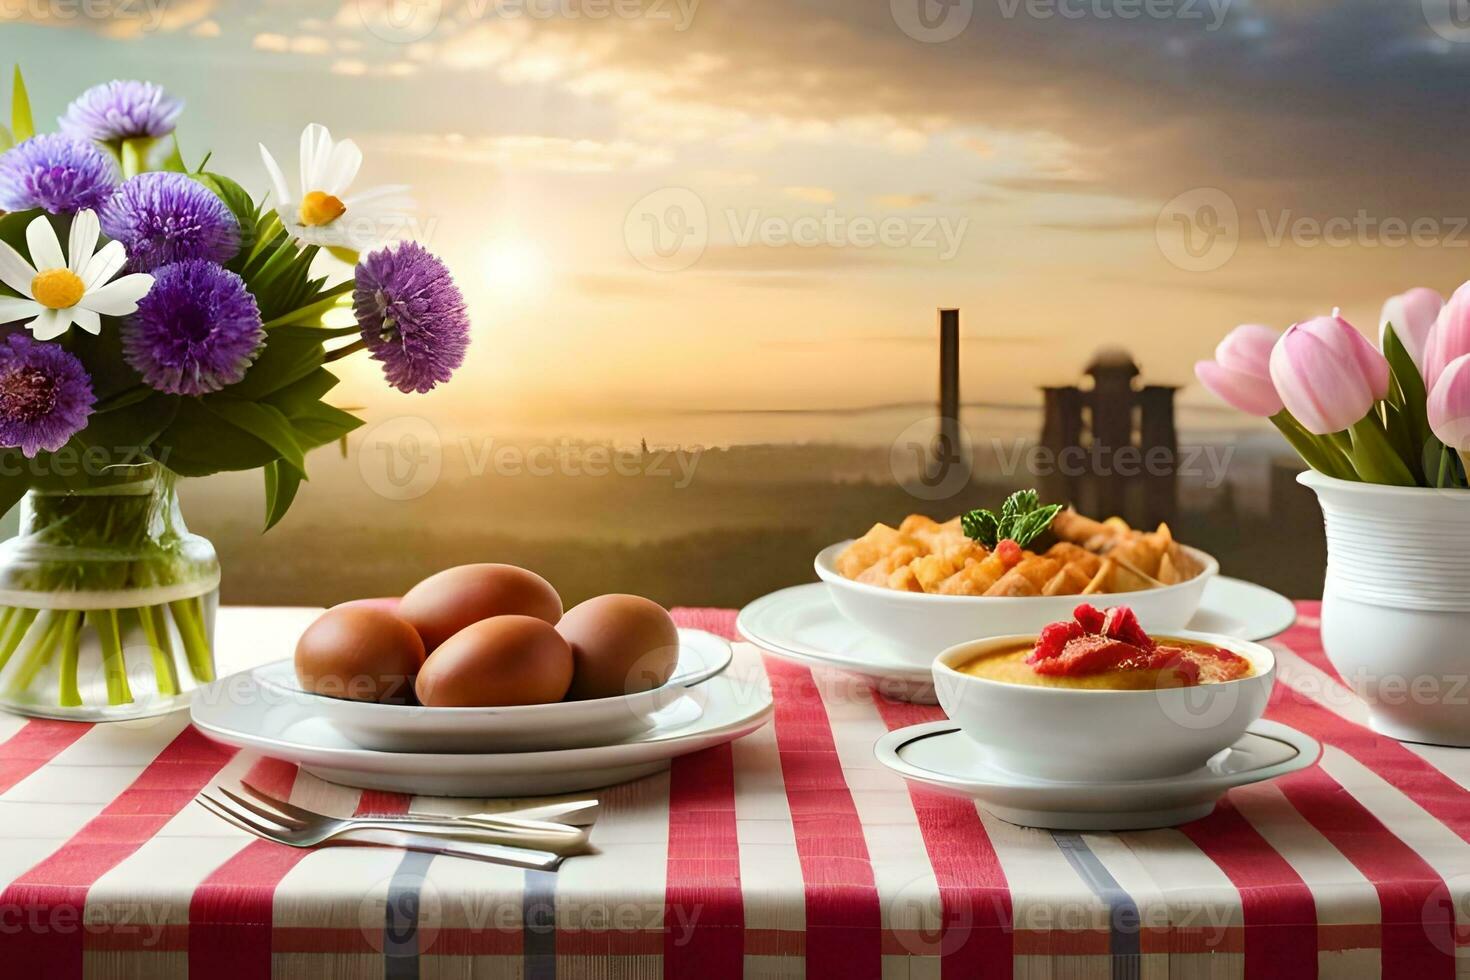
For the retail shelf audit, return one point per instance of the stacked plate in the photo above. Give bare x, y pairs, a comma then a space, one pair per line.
891, 638
528, 750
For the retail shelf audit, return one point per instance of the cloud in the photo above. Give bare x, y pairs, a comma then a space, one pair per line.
118, 19
792, 258
899, 202
554, 154
1253, 100
812, 195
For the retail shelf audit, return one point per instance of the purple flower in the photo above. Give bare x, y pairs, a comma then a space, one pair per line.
121, 110
196, 331
412, 316
165, 217
57, 173
45, 395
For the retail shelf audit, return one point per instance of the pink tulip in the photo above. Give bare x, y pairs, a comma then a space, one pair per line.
1412, 314
1240, 374
1449, 337
1328, 374
1449, 404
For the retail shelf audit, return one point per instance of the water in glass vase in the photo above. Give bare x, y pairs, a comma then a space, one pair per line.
107, 602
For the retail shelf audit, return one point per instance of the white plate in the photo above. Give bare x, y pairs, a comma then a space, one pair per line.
238, 712
802, 624
939, 756
518, 728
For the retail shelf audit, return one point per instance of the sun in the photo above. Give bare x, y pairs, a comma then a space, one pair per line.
514, 268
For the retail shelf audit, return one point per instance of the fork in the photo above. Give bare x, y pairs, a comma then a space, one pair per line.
329, 831
514, 826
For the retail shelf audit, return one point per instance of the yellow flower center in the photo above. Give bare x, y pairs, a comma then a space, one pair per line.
58, 289
319, 208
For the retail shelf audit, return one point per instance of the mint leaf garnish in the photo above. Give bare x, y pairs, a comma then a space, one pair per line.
1022, 518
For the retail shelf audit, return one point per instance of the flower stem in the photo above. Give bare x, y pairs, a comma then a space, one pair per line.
155, 630
15, 631
190, 621
347, 351
39, 655
113, 664
67, 694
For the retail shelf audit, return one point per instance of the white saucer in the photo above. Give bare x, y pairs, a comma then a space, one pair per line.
517, 728
238, 711
802, 624
938, 755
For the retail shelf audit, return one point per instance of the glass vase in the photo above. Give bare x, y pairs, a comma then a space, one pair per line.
107, 602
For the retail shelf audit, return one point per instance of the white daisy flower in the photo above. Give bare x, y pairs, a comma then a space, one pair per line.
57, 290
323, 213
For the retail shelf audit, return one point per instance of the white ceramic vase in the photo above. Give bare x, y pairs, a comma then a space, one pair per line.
1396, 604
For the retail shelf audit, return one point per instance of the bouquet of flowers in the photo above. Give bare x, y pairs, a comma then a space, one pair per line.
1396, 414
157, 321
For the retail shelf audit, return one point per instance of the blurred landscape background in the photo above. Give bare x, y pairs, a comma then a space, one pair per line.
714, 234
690, 526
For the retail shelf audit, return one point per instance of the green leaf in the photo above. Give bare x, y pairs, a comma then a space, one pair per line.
199, 442
264, 423
322, 424
1375, 458
301, 396
174, 162
285, 360
103, 356
1017, 504
1409, 384
126, 432
316, 335
6, 140
281, 484
313, 312
124, 398
12, 487
22, 126
13, 229
237, 199
1441, 465
981, 525
1022, 518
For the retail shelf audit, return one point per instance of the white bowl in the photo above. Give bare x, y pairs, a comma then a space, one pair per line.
515, 728
920, 624
1076, 734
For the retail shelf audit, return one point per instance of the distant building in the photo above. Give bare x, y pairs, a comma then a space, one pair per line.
1112, 445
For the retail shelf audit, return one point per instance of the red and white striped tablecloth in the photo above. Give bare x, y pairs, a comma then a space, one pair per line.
787, 853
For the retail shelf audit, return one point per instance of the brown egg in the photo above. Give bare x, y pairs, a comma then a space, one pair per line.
387, 603
495, 662
363, 653
621, 644
448, 601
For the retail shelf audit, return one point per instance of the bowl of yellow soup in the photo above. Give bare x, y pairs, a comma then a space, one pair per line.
1139, 722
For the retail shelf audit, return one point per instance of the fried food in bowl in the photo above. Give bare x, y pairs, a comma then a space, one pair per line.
926, 585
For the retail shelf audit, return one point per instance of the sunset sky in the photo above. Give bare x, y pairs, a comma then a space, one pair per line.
1059, 149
